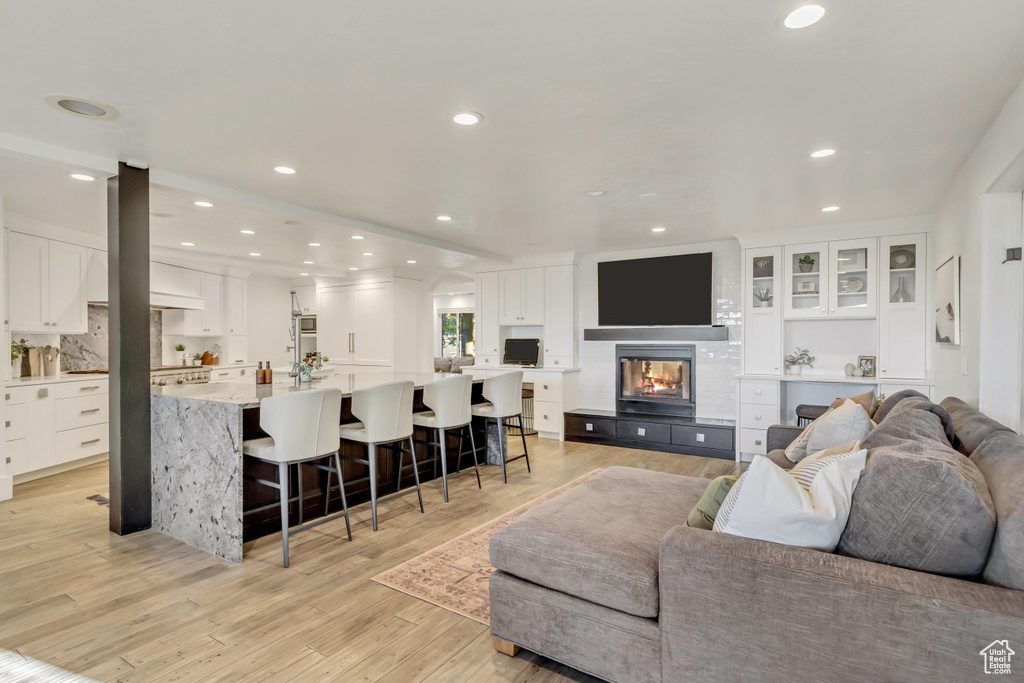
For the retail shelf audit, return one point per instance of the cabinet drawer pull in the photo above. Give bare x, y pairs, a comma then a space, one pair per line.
700, 438
43, 393
7, 423
224, 374
545, 417
91, 410
546, 386
90, 442
239, 361
757, 442
757, 417
89, 388
757, 392
589, 427
7, 397
640, 431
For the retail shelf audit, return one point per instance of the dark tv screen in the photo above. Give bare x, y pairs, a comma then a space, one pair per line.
667, 290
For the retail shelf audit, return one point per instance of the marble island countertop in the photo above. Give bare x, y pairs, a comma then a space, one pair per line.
245, 393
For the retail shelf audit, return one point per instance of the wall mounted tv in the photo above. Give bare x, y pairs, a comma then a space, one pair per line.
668, 290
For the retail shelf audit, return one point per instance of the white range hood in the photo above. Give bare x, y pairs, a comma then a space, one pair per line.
176, 301
171, 287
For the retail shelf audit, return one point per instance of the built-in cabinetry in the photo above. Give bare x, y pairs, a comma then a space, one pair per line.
521, 297
554, 392
832, 279
369, 323
208, 322
46, 281
903, 308
488, 335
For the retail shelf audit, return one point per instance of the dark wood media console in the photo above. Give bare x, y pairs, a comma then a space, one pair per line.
667, 433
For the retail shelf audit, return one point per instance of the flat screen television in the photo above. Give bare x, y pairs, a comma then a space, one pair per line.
521, 351
666, 290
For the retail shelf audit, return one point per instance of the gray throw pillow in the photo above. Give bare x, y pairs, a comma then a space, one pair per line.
1000, 458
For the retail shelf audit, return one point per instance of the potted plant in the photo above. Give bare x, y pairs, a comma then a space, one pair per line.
197, 359
18, 351
180, 348
304, 370
762, 297
805, 263
796, 361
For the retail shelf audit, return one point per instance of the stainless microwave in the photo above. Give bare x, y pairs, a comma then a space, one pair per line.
307, 324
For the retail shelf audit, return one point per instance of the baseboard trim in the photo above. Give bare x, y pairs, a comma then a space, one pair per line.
57, 469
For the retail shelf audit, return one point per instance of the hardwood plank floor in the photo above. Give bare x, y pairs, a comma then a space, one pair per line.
146, 607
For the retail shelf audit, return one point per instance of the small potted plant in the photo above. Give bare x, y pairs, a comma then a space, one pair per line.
796, 361
180, 348
762, 297
18, 351
197, 359
304, 370
805, 263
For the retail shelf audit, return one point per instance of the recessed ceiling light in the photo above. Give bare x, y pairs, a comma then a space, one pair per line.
802, 17
254, 253
82, 106
308, 263
830, 209
188, 244
658, 229
304, 274
357, 237
595, 193
353, 268
444, 218
822, 153
286, 170
367, 253
467, 118
314, 244
205, 205
247, 232
82, 176
410, 261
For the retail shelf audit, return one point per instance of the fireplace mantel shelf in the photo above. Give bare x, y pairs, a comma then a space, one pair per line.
680, 333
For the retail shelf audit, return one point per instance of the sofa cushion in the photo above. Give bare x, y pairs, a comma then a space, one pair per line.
600, 541
920, 504
703, 514
1000, 458
778, 456
848, 422
970, 424
442, 364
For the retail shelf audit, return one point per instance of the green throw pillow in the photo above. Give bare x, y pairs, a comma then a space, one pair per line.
703, 516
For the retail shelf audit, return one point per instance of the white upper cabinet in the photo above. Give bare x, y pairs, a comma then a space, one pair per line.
487, 323
559, 319
213, 316
762, 311
373, 324
853, 290
521, 297
236, 301
47, 285
806, 280
903, 310
96, 276
533, 296
306, 296
193, 323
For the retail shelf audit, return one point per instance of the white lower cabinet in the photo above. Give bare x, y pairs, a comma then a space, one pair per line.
553, 394
225, 374
758, 410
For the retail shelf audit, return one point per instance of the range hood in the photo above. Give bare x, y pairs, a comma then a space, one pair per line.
162, 300
171, 288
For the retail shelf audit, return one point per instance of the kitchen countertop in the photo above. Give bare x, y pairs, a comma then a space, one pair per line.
247, 394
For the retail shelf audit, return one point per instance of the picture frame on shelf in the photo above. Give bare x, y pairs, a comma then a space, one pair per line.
807, 287
866, 364
764, 267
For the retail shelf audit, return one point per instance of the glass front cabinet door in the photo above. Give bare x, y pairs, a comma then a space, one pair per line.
806, 280
903, 311
852, 289
762, 311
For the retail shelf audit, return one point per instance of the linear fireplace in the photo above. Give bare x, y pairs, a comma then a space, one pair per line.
655, 378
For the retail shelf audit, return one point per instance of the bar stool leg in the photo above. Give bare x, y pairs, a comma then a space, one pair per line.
444, 463
341, 487
472, 444
501, 449
522, 432
372, 457
416, 471
298, 480
327, 488
282, 474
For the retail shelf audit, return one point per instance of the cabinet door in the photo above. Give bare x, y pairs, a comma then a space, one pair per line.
306, 296
28, 294
66, 274
237, 303
487, 293
96, 276
762, 311
510, 297
334, 323
853, 289
213, 316
41, 430
532, 296
373, 331
558, 315
902, 310
806, 282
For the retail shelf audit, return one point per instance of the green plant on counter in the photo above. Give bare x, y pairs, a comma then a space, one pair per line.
197, 356
324, 359
801, 357
18, 349
179, 347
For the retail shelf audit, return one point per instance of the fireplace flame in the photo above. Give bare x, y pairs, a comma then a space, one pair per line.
653, 385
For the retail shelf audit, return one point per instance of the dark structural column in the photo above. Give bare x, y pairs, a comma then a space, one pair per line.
128, 290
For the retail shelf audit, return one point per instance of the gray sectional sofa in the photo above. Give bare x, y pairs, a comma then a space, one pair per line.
606, 578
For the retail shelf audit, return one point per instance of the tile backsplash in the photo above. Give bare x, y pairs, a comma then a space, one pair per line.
89, 351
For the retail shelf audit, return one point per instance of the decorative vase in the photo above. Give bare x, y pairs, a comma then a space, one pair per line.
796, 369
901, 295
858, 372
850, 367
16, 368
805, 267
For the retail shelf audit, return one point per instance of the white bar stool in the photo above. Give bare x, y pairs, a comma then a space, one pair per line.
385, 414
449, 401
505, 393
303, 427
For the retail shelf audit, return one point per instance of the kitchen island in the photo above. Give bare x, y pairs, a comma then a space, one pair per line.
202, 489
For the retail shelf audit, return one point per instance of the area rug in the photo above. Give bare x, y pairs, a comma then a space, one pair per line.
455, 575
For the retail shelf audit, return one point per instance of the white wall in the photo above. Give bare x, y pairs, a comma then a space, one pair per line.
960, 228
718, 363
269, 317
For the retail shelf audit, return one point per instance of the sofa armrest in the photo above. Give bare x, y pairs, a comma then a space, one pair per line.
734, 609
780, 436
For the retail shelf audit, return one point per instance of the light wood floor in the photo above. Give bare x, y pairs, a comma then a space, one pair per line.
146, 607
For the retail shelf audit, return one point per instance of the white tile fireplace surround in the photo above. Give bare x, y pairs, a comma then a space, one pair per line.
717, 363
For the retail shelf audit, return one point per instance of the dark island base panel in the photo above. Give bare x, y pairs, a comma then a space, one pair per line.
261, 512
664, 433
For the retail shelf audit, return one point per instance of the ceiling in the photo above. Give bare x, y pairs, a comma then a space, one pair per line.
713, 107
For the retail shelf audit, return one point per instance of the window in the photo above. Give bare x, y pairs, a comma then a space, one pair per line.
457, 333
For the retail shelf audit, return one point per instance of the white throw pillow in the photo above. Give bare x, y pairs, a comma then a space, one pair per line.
846, 423
806, 507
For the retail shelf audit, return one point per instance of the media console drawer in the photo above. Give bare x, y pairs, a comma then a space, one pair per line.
719, 438
635, 430
578, 425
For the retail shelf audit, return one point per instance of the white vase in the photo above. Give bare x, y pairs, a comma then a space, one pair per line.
796, 369
16, 368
